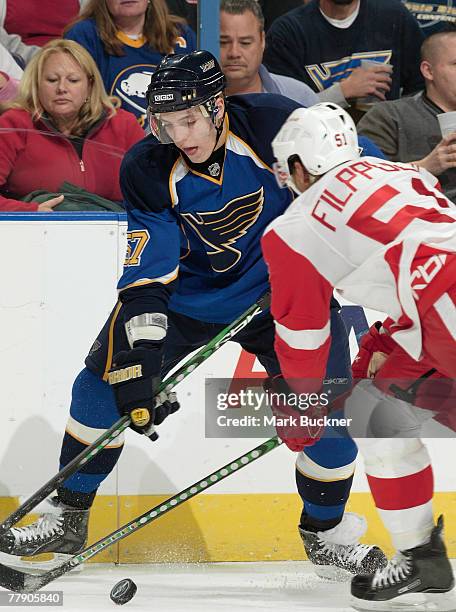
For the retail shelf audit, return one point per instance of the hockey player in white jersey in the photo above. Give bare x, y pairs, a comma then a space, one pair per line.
384, 236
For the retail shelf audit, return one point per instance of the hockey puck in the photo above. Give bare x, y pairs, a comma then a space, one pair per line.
123, 591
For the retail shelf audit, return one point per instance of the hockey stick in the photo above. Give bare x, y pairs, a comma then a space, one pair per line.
224, 336
23, 582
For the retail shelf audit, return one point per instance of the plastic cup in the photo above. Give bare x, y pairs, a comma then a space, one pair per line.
365, 63
369, 100
447, 122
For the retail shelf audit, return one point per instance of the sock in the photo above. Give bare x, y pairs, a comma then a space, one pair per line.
93, 410
324, 475
400, 477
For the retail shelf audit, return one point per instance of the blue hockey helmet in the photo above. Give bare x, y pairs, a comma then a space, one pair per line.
183, 81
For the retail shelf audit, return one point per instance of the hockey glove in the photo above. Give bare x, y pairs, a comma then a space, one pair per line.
135, 378
295, 432
375, 341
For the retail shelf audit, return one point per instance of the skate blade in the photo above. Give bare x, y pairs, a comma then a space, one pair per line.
333, 573
30, 564
412, 602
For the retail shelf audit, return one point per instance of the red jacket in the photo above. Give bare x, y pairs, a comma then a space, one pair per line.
33, 156
37, 22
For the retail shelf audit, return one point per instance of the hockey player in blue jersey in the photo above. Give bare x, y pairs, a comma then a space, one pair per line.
199, 193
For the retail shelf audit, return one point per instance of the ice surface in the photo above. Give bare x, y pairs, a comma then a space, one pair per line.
212, 587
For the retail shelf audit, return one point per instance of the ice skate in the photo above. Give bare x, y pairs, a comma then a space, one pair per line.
418, 579
60, 530
337, 554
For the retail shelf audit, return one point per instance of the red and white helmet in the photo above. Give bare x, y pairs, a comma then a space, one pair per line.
323, 136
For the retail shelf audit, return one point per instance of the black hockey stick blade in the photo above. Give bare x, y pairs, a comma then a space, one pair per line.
24, 582
12, 579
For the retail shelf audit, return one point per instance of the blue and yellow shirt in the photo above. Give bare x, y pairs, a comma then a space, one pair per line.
127, 76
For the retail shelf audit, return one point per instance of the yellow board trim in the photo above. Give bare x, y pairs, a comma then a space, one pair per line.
230, 527
245, 527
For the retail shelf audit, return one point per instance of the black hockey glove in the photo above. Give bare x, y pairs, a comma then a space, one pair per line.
135, 378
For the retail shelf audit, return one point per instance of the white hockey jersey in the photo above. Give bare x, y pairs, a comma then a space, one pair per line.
379, 232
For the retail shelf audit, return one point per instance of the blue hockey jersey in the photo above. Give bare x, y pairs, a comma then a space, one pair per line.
199, 233
127, 76
202, 230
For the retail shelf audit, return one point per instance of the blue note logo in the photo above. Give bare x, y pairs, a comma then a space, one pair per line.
221, 229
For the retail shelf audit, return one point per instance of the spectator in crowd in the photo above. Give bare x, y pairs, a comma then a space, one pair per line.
21, 53
36, 23
127, 41
242, 42
241, 51
323, 43
188, 9
408, 130
433, 15
62, 127
10, 74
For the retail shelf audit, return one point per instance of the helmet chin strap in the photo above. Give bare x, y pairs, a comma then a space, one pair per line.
212, 112
219, 131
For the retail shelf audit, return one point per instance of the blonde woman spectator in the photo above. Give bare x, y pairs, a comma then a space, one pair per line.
62, 127
127, 41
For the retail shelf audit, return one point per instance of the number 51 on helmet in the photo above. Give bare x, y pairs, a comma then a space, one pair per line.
322, 136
